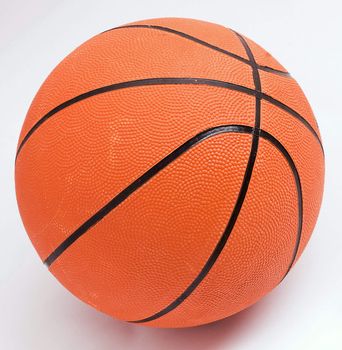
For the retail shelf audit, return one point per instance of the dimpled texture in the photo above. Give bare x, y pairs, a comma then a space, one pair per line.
148, 258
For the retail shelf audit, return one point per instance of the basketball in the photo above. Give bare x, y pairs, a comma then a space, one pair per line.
169, 172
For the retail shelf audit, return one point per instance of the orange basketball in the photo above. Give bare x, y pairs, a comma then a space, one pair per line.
169, 172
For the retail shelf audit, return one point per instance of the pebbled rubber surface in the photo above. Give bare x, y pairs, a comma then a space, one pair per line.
140, 259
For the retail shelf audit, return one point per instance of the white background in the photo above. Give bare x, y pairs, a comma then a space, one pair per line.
305, 311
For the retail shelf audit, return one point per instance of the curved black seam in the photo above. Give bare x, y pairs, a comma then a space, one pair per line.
273, 70
265, 135
165, 81
202, 42
296, 176
129, 84
239, 201
118, 199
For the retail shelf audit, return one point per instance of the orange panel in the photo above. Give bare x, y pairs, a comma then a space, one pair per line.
145, 252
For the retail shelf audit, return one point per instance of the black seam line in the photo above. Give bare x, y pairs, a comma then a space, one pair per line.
274, 71
129, 84
296, 176
239, 201
220, 245
201, 42
118, 199
166, 81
